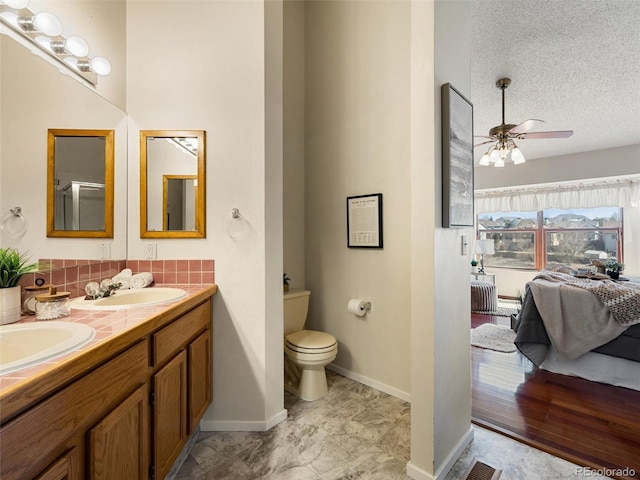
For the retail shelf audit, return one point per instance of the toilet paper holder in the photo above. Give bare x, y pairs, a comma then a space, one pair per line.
358, 307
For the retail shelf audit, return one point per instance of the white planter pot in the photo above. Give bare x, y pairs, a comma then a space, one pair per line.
10, 305
474, 269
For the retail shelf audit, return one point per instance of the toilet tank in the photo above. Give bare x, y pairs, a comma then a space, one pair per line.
296, 306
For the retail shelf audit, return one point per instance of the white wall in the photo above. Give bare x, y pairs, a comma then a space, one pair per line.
220, 71
452, 383
34, 98
357, 142
600, 164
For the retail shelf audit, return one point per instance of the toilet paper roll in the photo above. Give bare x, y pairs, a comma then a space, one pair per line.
357, 307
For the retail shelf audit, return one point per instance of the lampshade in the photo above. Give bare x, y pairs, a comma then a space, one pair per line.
485, 247
516, 156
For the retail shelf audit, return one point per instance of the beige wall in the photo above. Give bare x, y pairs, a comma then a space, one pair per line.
293, 160
357, 142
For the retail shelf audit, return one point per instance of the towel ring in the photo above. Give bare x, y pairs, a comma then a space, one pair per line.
13, 223
235, 225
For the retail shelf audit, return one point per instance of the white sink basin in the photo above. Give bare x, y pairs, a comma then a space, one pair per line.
25, 344
130, 298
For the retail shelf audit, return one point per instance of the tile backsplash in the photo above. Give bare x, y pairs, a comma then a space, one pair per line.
72, 275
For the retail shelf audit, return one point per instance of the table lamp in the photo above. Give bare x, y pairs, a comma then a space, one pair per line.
484, 247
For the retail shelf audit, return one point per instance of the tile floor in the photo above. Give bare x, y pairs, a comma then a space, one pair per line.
354, 432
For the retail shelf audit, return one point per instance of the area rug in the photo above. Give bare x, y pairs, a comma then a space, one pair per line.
505, 308
493, 337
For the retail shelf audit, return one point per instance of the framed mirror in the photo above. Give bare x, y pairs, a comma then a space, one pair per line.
172, 184
80, 169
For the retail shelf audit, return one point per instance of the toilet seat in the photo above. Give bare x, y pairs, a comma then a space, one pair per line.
311, 342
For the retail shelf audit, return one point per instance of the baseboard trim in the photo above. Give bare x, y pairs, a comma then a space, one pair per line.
243, 426
455, 454
370, 382
419, 474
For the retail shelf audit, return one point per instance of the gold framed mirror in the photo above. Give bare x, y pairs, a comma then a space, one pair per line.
172, 184
80, 169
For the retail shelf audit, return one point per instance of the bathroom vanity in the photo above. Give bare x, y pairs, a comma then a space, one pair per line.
122, 407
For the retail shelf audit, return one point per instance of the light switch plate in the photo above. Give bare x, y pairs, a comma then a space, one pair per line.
463, 245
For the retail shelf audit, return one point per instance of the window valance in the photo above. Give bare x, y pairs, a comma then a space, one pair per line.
621, 192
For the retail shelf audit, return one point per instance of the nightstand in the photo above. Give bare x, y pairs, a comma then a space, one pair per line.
484, 277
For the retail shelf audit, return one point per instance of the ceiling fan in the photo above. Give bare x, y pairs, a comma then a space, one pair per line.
503, 136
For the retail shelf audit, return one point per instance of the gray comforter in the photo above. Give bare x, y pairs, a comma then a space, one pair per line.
574, 321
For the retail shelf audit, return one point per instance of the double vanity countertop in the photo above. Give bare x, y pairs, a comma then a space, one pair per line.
116, 330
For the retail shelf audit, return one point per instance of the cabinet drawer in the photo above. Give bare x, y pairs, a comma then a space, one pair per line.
174, 337
35, 435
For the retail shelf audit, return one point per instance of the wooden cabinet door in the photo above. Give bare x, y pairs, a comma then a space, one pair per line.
199, 379
170, 413
64, 468
119, 443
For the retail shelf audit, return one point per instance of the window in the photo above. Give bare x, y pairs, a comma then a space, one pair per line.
535, 240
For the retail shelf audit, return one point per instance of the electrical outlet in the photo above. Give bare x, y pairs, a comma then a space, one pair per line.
152, 251
104, 251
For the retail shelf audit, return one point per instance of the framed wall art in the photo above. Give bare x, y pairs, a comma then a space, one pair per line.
457, 159
364, 221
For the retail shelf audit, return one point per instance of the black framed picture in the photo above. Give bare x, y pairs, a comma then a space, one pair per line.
364, 221
457, 159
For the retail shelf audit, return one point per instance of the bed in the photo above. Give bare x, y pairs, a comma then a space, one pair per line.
584, 327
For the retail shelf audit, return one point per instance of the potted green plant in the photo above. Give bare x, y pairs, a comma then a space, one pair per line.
285, 281
474, 265
13, 266
613, 268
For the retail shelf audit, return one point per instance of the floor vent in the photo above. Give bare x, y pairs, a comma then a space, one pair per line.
481, 471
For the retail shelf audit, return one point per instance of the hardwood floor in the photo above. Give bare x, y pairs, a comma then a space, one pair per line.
588, 423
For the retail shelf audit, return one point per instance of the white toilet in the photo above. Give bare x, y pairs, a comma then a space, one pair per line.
306, 352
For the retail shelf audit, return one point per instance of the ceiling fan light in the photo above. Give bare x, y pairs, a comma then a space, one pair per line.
484, 161
499, 163
516, 156
494, 156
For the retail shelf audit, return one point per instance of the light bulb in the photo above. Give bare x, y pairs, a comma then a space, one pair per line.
72, 62
100, 65
516, 156
17, 4
499, 163
44, 41
484, 161
495, 156
10, 17
77, 46
48, 24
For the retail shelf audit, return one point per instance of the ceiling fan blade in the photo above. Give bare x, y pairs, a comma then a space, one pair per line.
526, 126
484, 143
556, 134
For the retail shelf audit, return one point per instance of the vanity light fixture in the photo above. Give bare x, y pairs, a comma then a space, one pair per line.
44, 30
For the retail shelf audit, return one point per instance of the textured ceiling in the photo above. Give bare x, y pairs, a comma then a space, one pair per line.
573, 63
